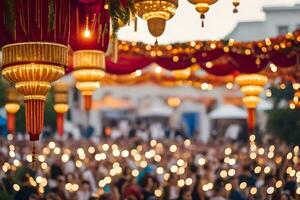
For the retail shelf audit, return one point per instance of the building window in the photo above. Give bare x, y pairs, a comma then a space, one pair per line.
282, 30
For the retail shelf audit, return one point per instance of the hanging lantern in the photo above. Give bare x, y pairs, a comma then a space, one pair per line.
251, 86
89, 52
202, 7
60, 105
235, 3
12, 106
32, 66
156, 13
89, 66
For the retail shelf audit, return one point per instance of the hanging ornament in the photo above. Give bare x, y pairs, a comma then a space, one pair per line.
12, 106
235, 3
156, 13
32, 66
60, 105
252, 85
89, 53
89, 66
202, 7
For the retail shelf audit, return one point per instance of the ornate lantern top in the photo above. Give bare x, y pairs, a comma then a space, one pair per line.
156, 13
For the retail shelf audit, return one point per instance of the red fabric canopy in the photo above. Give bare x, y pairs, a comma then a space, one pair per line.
35, 20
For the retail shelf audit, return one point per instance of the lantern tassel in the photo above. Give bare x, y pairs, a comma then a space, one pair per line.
34, 111
251, 120
11, 117
87, 102
202, 16
60, 124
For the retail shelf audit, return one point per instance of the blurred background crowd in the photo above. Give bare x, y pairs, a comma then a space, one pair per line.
135, 166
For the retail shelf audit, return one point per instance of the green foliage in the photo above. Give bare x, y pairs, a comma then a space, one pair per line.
284, 123
117, 11
279, 94
50, 115
4, 194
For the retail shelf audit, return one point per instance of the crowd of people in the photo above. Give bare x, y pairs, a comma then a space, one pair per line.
134, 168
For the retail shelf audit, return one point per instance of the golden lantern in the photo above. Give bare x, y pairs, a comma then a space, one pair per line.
89, 66
156, 13
12, 106
32, 66
60, 104
202, 7
251, 86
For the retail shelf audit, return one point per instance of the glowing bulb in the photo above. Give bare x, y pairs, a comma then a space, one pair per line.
87, 33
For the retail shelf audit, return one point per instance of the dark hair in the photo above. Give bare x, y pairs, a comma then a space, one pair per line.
183, 190
106, 196
145, 179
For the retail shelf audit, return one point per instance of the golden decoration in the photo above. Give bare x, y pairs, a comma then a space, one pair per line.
89, 66
202, 7
12, 106
251, 86
32, 66
156, 13
60, 104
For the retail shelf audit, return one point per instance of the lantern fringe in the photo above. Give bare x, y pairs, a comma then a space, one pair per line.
87, 102
60, 123
11, 118
34, 112
251, 120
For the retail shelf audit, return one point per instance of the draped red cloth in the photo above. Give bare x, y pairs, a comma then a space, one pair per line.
236, 63
35, 20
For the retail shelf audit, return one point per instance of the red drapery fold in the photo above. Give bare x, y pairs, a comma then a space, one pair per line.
35, 20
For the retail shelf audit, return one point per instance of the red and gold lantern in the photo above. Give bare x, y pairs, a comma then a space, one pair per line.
89, 49
32, 66
89, 66
60, 105
251, 86
12, 106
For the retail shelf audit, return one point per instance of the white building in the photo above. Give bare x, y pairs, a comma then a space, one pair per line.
279, 20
